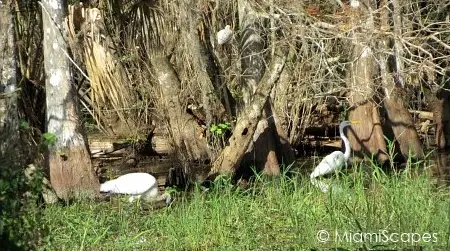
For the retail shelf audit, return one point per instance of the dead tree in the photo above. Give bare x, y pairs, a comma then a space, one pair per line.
247, 123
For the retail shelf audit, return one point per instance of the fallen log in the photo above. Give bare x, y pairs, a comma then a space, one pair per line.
423, 114
107, 148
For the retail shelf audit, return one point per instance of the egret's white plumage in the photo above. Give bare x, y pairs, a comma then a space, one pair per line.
333, 161
225, 35
354, 3
329, 164
138, 185
320, 184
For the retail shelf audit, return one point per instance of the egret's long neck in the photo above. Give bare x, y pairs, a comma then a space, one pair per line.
346, 143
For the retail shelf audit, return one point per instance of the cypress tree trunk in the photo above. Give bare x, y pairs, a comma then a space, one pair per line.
365, 138
186, 133
265, 151
68, 159
398, 118
9, 118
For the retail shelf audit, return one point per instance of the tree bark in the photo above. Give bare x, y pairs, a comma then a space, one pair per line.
10, 154
243, 134
188, 136
262, 151
211, 101
281, 92
270, 145
252, 47
439, 104
402, 124
365, 138
68, 158
398, 117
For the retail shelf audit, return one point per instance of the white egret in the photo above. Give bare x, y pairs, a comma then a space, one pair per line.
354, 3
139, 185
224, 36
333, 161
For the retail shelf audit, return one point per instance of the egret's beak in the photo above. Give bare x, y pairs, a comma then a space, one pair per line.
355, 122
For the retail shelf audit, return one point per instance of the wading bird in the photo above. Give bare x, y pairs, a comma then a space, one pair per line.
224, 36
333, 161
354, 3
141, 186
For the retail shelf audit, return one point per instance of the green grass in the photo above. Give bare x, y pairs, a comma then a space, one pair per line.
280, 214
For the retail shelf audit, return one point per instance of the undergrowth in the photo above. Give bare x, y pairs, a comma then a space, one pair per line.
20, 217
391, 211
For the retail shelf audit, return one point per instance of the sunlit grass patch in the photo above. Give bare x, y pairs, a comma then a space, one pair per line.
276, 213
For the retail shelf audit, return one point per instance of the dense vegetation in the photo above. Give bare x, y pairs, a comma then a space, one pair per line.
143, 70
20, 216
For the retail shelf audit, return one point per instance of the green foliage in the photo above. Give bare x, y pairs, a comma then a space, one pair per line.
220, 133
19, 215
24, 125
220, 129
283, 213
223, 182
49, 139
344, 114
133, 139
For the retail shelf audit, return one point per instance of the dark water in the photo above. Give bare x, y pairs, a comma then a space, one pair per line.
437, 167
